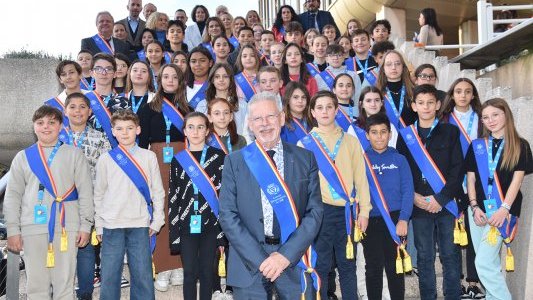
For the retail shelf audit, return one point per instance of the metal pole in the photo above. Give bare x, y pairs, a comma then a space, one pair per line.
13, 274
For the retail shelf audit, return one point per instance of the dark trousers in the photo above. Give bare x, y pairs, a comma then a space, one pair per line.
471, 272
332, 239
380, 252
216, 277
424, 231
198, 256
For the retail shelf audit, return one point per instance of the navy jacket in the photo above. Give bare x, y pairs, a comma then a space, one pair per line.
323, 18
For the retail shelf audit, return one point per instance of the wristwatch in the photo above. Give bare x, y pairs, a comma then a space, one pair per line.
506, 206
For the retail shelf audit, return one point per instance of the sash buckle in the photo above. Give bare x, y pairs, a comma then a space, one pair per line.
59, 199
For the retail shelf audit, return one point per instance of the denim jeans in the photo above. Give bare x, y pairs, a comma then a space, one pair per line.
85, 272
136, 244
424, 232
332, 239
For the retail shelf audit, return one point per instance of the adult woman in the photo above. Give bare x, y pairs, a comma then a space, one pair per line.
214, 28
285, 15
430, 32
227, 21
352, 26
158, 22
194, 32
238, 23
252, 18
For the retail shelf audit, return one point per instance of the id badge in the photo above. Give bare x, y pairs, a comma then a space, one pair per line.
168, 153
196, 224
490, 207
40, 215
334, 194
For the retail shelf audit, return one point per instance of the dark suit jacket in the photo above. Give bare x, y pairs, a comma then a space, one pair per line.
323, 18
136, 42
241, 213
120, 47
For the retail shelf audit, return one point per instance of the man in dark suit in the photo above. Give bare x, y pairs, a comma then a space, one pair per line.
258, 261
133, 23
103, 40
314, 18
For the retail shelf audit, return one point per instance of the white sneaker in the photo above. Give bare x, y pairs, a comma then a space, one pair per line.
228, 295
162, 281
176, 277
217, 295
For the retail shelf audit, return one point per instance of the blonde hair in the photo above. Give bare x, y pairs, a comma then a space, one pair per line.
406, 78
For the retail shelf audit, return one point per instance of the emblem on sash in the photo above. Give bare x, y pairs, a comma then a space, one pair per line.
273, 189
409, 139
479, 149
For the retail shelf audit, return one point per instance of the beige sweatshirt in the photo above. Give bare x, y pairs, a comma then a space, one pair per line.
68, 168
118, 203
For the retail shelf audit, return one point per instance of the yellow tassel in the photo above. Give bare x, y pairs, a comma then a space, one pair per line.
50, 261
302, 297
317, 296
349, 248
399, 265
456, 233
509, 260
64, 241
94, 239
222, 264
492, 236
407, 265
153, 269
464, 235
358, 235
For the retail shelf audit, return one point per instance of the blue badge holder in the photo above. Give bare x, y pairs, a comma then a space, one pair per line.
168, 153
490, 207
40, 215
196, 224
334, 194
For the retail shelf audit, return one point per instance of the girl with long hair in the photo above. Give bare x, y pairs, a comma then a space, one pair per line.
295, 69
199, 62
248, 63
298, 120
430, 32
139, 85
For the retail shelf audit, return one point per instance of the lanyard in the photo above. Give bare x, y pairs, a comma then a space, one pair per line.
135, 106
228, 143
335, 149
40, 193
397, 112
195, 188
365, 68
493, 163
168, 123
77, 143
470, 123
435, 122
107, 98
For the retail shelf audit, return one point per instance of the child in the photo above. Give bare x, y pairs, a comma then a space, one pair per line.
378, 50
496, 165
196, 233
294, 68
267, 39
45, 179
139, 85
343, 88
276, 54
179, 58
309, 36
147, 36
437, 174
247, 65
334, 59
93, 143
270, 81
175, 36
199, 62
462, 108
380, 30
294, 34
221, 48
392, 192
222, 85
69, 75
298, 120
222, 126
128, 212
427, 74
123, 63
155, 56
329, 32
363, 63
245, 37
340, 154
346, 44
319, 64
85, 59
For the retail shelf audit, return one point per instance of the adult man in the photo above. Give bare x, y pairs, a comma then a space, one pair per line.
314, 18
148, 9
103, 40
221, 9
181, 15
267, 239
133, 23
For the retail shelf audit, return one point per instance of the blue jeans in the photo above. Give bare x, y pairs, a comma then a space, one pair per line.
331, 239
411, 249
424, 232
85, 272
136, 244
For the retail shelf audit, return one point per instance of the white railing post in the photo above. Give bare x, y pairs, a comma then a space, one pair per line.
482, 25
489, 18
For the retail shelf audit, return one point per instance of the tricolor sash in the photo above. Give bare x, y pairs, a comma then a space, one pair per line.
343, 120
234, 41
199, 96
351, 64
328, 78
199, 177
173, 114
396, 120
278, 194
56, 103
246, 85
208, 46
463, 137
141, 55
214, 140
361, 136
85, 85
39, 166
371, 76
313, 69
480, 147
427, 166
102, 114
102, 44
136, 174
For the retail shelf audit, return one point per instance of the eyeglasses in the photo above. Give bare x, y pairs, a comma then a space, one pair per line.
269, 119
486, 118
102, 70
426, 76
334, 55
396, 64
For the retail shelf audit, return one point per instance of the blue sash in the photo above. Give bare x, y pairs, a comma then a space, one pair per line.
39, 167
372, 77
141, 55
313, 69
208, 46
480, 147
361, 136
246, 86
279, 196
378, 199
102, 115
199, 177
328, 78
343, 120
85, 85
396, 121
168, 56
299, 129
463, 137
63, 134
351, 64
136, 174
234, 41
173, 114
102, 44
426, 164
199, 96
214, 140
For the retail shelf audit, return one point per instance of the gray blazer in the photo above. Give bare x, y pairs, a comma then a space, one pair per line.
241, 214
137, 41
